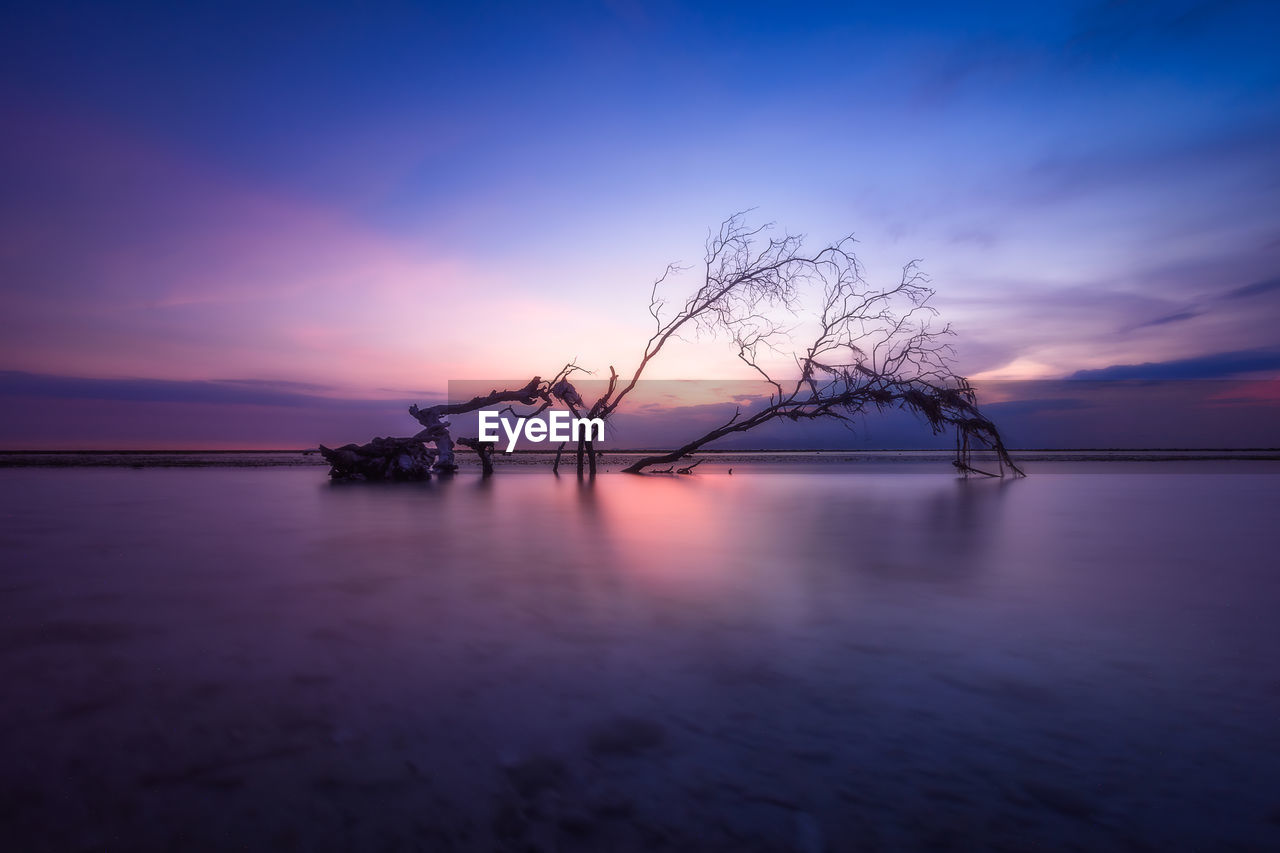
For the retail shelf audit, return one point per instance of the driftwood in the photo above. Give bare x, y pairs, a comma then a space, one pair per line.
436, 418
410, 458
538, 393
942, 408
483, 449
871, 349
380, 459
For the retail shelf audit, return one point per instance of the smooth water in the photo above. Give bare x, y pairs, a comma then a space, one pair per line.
779, 659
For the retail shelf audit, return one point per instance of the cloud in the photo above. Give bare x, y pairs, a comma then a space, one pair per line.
1014, 408
1255, 289
276, 383
1170, 318
251, 392
45, 411
1247, 147
1213, 366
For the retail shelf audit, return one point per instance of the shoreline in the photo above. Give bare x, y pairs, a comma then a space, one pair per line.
527, 459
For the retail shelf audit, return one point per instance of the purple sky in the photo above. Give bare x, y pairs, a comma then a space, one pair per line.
228, 227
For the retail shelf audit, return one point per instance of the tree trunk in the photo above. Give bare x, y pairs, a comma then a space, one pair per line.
483, 449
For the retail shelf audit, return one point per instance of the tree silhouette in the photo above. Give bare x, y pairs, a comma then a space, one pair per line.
828, 344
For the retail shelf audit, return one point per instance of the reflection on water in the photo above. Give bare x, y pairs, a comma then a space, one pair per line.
781, 659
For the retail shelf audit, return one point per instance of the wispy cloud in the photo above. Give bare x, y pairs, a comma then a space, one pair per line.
1168, 318
1215, 366
252, 392
1256, 289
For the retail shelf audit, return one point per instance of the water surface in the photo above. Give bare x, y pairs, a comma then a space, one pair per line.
788, 658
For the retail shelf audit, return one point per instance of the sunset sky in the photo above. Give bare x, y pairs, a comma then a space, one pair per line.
242, 226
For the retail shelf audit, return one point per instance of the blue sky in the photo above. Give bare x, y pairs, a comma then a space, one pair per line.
372, 200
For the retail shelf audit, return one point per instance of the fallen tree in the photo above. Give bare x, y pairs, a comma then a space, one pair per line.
380, 459
409, 458
866, 350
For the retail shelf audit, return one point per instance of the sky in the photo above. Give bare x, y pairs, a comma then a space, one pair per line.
249, 225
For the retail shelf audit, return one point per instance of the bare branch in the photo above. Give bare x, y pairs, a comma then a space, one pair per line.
870, 348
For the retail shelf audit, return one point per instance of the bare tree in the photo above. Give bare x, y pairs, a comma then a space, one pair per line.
870, 348
539, 393
747, 273
867, 349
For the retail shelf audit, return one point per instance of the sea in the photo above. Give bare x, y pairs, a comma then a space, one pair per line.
809, 651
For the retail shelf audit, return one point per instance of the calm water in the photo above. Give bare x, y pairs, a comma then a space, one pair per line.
786, 658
